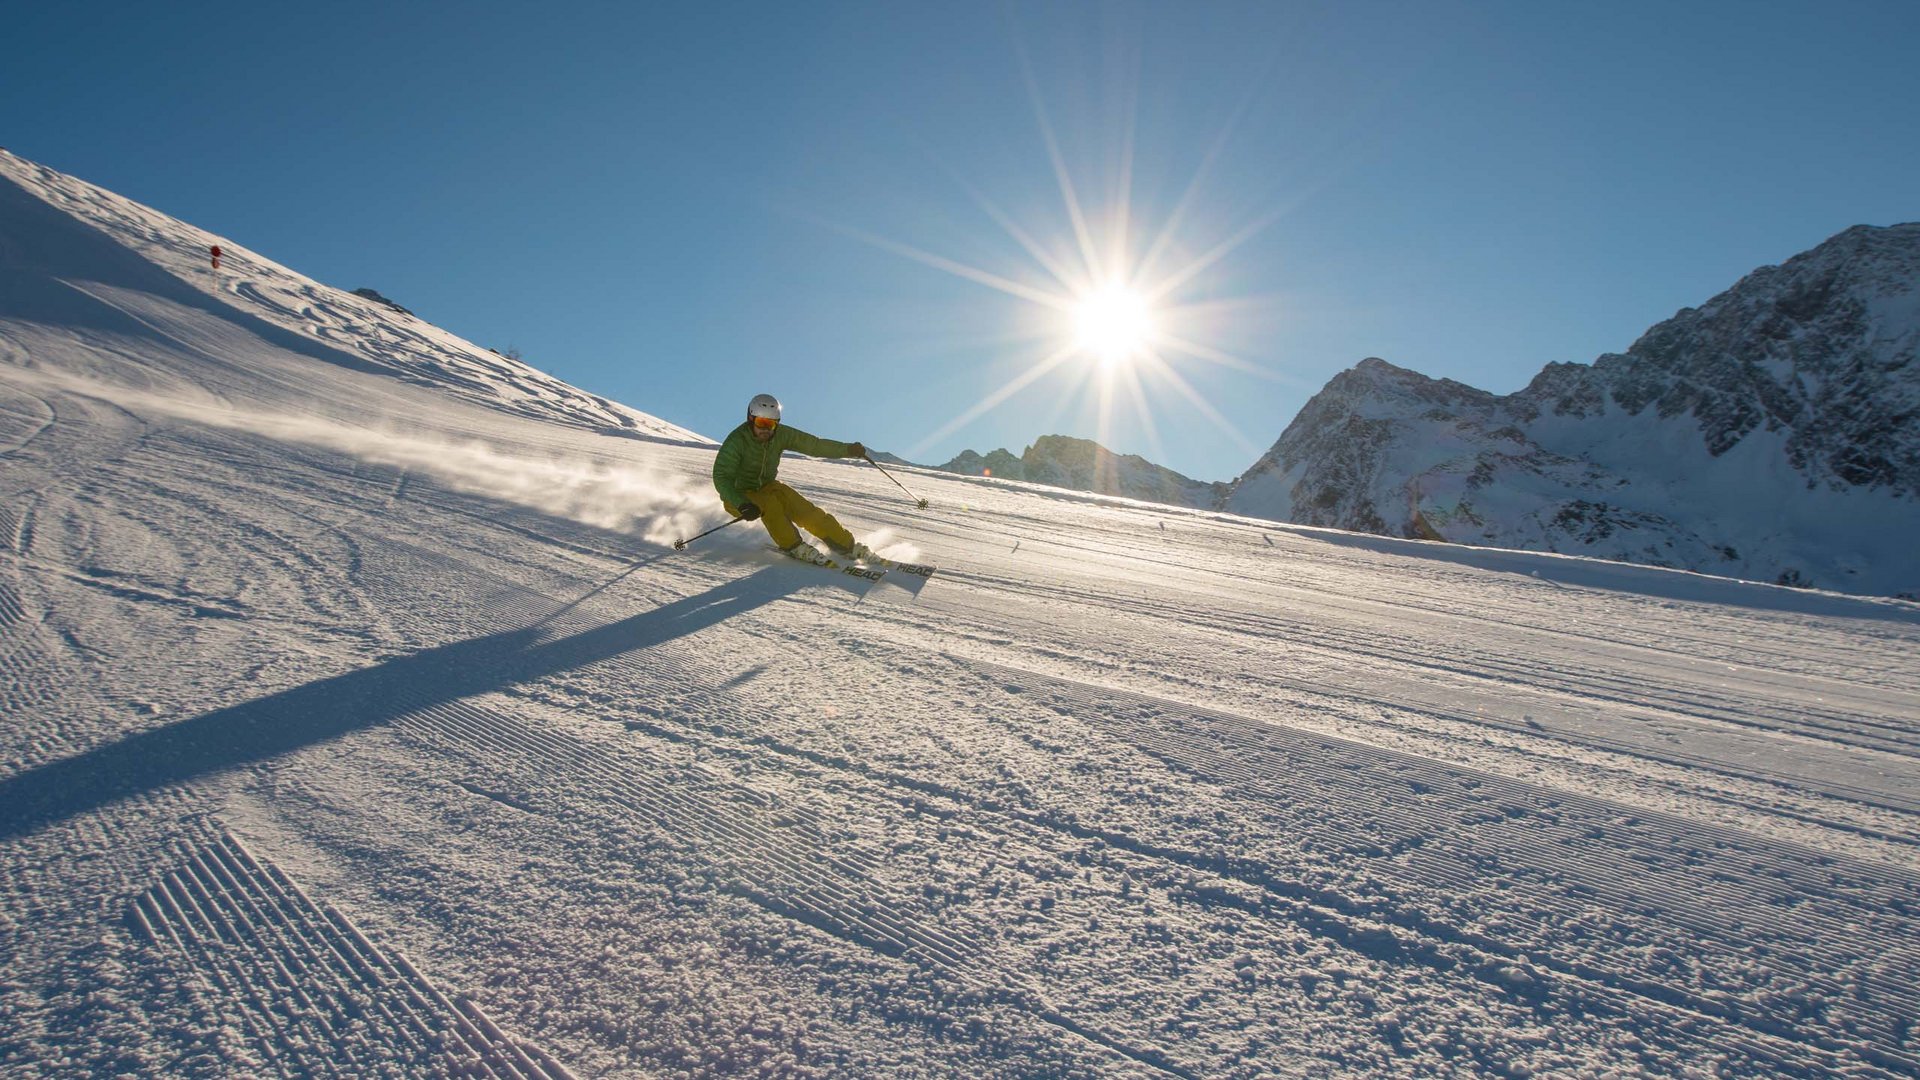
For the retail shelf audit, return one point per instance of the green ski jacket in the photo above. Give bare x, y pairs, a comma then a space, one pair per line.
743, 465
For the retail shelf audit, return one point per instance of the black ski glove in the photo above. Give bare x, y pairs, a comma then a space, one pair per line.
855, 449
749, 512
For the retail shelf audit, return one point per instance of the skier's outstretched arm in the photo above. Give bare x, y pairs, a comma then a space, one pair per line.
814, 446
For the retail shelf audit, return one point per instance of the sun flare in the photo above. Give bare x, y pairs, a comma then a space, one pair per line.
1114, 325
1113, 285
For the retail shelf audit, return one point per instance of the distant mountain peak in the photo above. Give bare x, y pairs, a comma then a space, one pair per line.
1771, 432
1077, 464
1376, 378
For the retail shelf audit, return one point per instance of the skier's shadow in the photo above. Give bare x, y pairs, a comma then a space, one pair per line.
329, 708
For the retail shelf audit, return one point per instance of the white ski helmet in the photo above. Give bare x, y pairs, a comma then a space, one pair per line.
764, 405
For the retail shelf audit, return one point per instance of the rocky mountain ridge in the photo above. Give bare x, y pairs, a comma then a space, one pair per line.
1770, 433
1084, 465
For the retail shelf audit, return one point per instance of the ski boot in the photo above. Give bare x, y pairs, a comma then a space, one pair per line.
806, 553
861, 553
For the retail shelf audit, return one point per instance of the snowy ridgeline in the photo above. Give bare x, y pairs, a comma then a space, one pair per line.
1767, 435
357, 725
66, 234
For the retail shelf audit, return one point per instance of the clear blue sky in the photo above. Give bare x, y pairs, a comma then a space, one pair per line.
679, 206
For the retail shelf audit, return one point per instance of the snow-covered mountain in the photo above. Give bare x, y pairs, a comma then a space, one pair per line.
1084, 465
1772, 434
360, 722
82, 251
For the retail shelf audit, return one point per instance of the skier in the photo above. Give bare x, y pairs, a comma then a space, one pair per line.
216, 256
745, 473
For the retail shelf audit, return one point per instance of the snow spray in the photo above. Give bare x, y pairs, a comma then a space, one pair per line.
618, 496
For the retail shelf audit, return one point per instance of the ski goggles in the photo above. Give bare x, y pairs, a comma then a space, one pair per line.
765, 423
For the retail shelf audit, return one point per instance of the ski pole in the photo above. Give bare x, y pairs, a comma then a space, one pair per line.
680, 544
921, 503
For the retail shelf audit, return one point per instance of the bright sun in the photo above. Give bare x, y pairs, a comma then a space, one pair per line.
1114, 324
1117, 313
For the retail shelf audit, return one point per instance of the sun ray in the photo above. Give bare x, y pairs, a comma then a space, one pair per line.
1088, 250
1225, 359
1129, 95
1227, 307
1065, 276
1143, 411
1226, 247
1025, 379
1165, 371
922, 344
958, 269
1103, 428
1192, 192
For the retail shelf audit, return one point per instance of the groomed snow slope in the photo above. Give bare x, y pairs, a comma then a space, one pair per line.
357, 728
83, 256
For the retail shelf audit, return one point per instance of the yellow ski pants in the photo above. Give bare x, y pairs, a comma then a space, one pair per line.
782, 508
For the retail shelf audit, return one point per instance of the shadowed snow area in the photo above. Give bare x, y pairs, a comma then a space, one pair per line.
360, 719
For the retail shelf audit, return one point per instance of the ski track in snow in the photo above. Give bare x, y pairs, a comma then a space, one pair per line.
1639, 876
310, 989
1561, 694
323, 760
1498, 805
1664, 735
